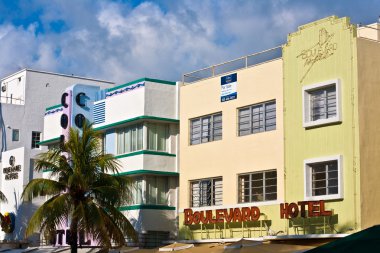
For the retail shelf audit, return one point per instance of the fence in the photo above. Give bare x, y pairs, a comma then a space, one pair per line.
240, 63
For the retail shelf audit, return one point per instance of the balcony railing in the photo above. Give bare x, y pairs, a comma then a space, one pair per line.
240, 63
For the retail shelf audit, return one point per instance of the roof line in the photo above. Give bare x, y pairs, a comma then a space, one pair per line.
56, 74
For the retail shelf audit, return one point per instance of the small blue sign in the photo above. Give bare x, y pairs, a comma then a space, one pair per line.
229, 87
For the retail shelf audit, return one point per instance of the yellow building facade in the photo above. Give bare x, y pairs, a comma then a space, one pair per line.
283, 144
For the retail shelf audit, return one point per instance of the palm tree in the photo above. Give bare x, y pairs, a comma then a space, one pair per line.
84, 192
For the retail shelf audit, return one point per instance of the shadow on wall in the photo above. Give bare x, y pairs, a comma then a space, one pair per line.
154, 226
23, 213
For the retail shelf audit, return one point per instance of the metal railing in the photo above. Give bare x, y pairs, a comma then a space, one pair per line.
240, 63
11, 100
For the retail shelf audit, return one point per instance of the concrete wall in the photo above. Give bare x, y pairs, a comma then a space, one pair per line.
369, 129
317, 52
233, 154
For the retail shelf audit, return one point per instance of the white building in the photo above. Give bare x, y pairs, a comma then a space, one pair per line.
24, 97
139, 121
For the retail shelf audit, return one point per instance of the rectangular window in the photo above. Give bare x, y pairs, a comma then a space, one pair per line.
15, 134
205, 129
206, 192
321, 103
157, 188
257, 118
323, 177
257, 186
158, 134
137, 191
129, 139
151, 190
36, 137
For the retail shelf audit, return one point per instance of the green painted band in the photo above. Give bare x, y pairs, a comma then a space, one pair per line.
145, 152
139, 207
141, 80
53, 107
153, 172
46, 171
53, 140
136, 119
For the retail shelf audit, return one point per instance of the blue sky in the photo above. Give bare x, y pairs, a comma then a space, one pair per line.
125, 40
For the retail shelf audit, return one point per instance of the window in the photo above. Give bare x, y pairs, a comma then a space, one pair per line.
15, 134
257, 118
206, 192
156, 190
36, 137
257, 186
321, 103
158, 134
129, 139
137, 191
323, 178
150, 190
205, 129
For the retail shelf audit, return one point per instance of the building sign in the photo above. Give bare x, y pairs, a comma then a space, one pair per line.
239, 214
303, 209
323, 49
12, 171
229, 90
222, 215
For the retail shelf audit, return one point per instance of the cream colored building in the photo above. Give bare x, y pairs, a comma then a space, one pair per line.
221, 152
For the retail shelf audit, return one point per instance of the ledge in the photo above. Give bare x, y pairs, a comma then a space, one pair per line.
141, 80
53, 107
49, 141
152, 172
135, 119
140, 207
145, 152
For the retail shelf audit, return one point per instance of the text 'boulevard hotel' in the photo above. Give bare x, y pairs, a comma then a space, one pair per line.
283, 142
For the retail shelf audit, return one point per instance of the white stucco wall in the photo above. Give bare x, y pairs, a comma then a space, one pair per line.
41, 90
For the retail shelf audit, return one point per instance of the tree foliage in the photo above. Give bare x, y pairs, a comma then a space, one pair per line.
83, 190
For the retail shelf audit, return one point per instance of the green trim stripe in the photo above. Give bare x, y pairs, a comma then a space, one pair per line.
153, 172
139, 207
49, 141
53, 107
135, 119
145, 152
44, 171
141, 80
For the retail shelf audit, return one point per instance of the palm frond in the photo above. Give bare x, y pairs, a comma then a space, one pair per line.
41, 187
50, 215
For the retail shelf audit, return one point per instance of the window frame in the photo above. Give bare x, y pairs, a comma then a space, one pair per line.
35, 146
122, 129
156, 135
250, 187
307, 122
308, 178
14, 130
213, 199
264, 105
145, 197
211, 136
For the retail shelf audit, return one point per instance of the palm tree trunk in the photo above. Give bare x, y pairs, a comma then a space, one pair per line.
74, 235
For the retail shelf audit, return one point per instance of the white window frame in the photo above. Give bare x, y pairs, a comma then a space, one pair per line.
308, 179
306, 103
